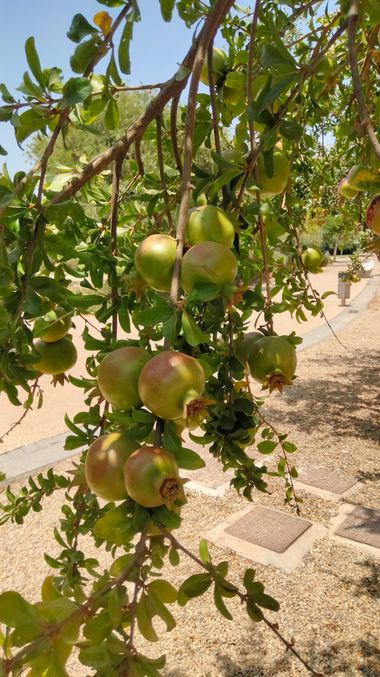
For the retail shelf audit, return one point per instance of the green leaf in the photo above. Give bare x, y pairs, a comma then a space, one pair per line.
219, 603
221, 181
153, 316
254, 612
79, 28
165, 591
114, 527
157, 608
123, 51
203, 552
84, 54
121, 564
15, 611
111, 3
192, 333
266, 447
5, 114
75, 91
144, 615
34, 61
111, 116
194, 586
115, 607
3, 151
289, 447
167, 7
188, 459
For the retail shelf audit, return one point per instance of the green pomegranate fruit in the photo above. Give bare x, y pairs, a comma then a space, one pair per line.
234, 89
360, 178
151, 477
312, 259
275, 184
219, 59
118, 376
171, 385
373, 215
345, 190
208, 262
54, 325
244, 344
209, 223
104, 465
154, 260
272, 362
55, 358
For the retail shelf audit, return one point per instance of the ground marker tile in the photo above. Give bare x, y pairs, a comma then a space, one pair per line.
359, 524
267, 536
326, 480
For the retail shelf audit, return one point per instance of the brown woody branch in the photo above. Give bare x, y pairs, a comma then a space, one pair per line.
116, 177
160, 157
352, 19
173, 132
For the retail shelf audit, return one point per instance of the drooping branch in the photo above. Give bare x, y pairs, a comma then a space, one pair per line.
352, 19
160, 157
116, 176
214, 113
173, 133
212, 23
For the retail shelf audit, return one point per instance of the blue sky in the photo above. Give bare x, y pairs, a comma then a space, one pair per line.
156, 49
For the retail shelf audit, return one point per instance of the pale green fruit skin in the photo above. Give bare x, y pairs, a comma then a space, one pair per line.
345, 190
373, 215
104, 465
58, 328
359, 178
209, 223
208, 262
154, 260
63, 350
272, 355
169, 382
234, 89
219, 59
275, 184
118, 376
312, 259
244, 344
144, 474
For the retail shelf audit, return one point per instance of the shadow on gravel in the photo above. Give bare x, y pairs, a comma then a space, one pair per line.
343, 658
345, 400
369, 584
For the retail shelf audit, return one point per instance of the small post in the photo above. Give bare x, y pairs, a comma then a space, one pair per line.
344, 287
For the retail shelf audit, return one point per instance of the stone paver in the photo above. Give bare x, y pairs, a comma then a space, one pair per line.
329, 481
269, 528
361, 525
267, 536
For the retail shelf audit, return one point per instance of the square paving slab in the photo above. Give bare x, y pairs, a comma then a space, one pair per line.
361, 525
268, 536
269, 528
328, 480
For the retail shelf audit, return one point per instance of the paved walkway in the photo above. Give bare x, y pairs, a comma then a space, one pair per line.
49, 450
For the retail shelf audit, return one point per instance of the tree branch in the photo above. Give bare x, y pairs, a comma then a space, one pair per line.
352, 19
214, 19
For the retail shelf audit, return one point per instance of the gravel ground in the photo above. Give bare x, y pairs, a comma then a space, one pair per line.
329, 605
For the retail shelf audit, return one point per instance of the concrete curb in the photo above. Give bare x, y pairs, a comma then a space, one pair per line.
49, 451
344, 318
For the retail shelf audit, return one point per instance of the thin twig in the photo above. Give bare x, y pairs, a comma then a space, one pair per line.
173, 132
117, 169
25, 412
108, 39
139, 160
214, 113
214, 19
243, 598
352, 19
161, 168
